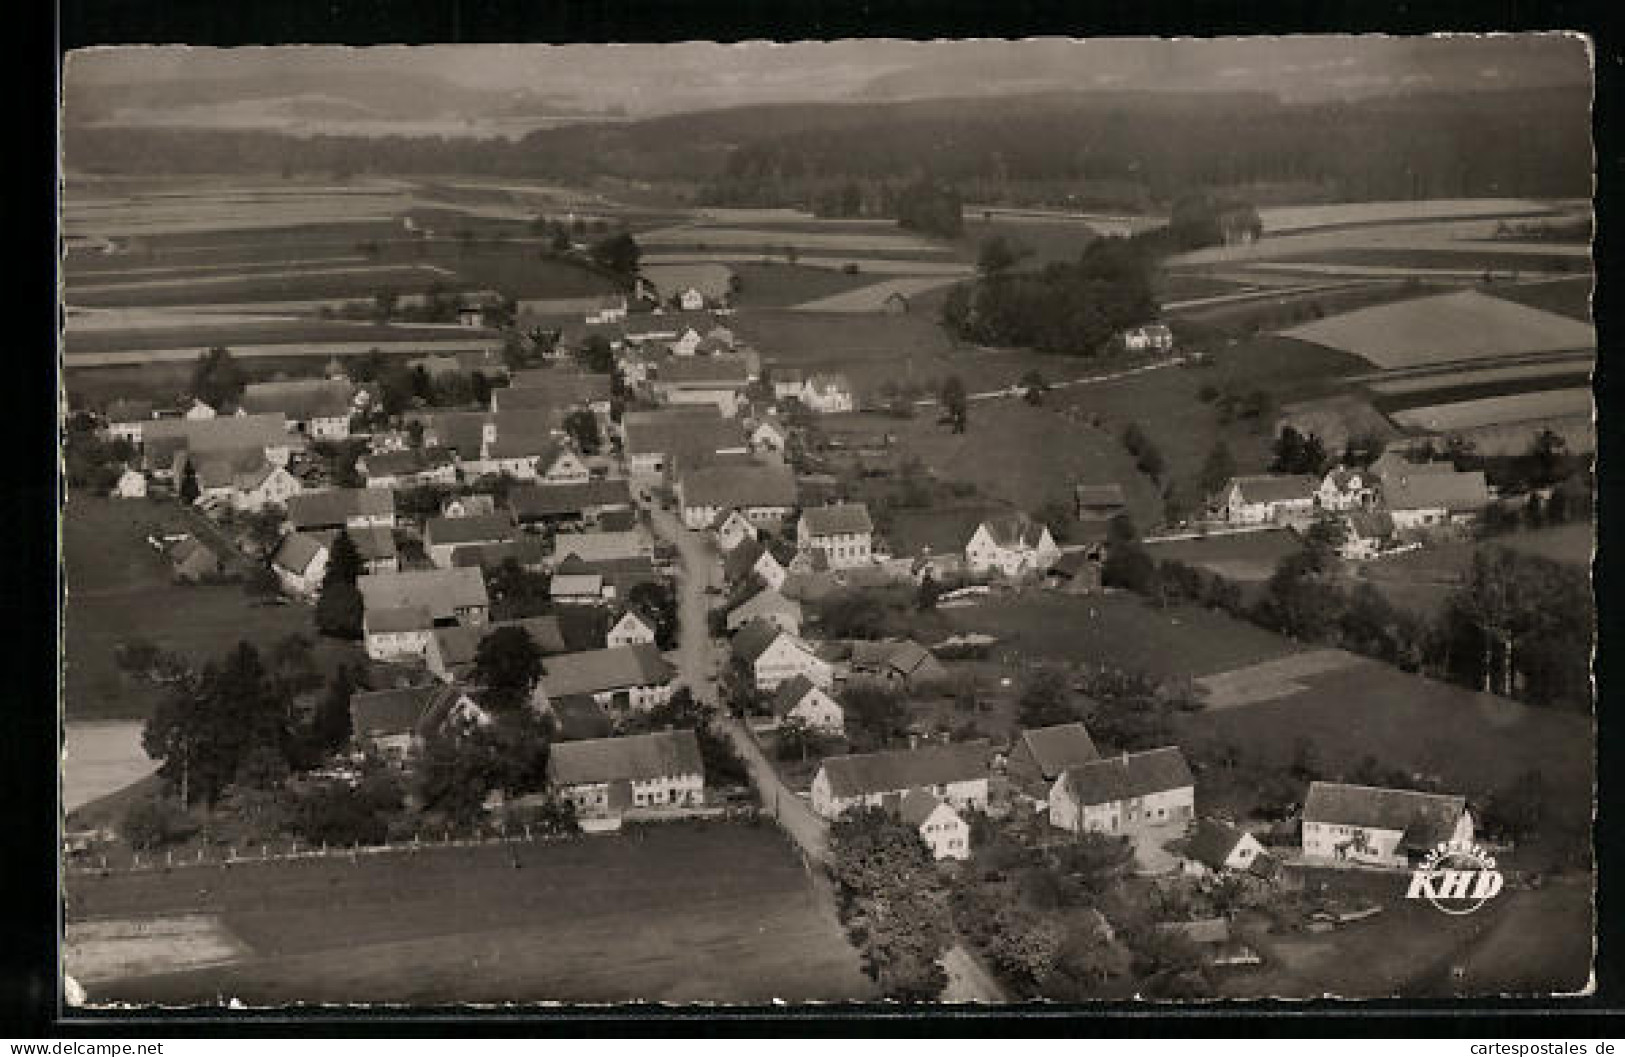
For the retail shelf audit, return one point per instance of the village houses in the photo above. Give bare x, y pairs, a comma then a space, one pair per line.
768, 606
732, 528
1347, 488
1380, 827
619, 678
802, 700
764, 494
942, 828
605, 777
1265, 498
957, 773
1134, 793
1215, 848
397, 722
442, 536
451, 650
1011, 545
1043, 754
631, 628
827, 394
773, 656
319, 408
842, 531
403, 608
337, 508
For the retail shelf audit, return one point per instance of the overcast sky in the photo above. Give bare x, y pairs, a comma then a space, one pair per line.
652, 78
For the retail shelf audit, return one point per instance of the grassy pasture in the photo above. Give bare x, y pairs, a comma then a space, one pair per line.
1245, 557
1571, 543
1347, 214
1566, 297
873, 297
299, 331
786, 285
1473, 255
1496, 410
670, 914
772, 239
119, 588
1475, 377
1047, 239
359, 283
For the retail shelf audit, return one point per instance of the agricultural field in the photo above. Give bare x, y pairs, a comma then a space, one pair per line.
1047, 238
1496, 410
873, 297
358, 283
1487, 256
787, 285
1247, 557
1446, 328
1350, 214
1566, 297
119, 587
997, 454
1337, 419
1408, 383
1573, 543
645, 916
1578, 431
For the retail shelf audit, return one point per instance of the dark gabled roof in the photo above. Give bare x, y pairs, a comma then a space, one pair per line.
1275, 488
721, 371
533, 501
1056, 748
886, 772
1128, 776
481, 528
837, 518
299, 400
1424, 491
400, 711
372, 542
579, 718
739, 486
385, 619
297, 551
790, 694
412, 460
917, 806
680, 431
739, 561
603, 671
638, 757
1211, 842
458, 645
224, 432
753, 639
935, 531
1424, 818
623, 574
1106, 499
193, 552
336, 505
529, 551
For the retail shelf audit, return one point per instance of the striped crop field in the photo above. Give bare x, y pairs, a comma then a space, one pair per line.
1518, 407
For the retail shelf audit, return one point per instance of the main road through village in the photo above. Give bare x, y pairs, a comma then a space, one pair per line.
699, 662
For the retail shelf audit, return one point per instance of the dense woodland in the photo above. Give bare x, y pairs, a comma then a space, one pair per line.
1106, 150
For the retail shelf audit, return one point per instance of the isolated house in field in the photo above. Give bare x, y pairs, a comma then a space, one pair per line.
1347, 488
764, 494
450, 651
403, 608
442, 536
606, 776
773, 657
397, 722
769, 606
827, 394
131, 484
631, 628
956, 773
1043, 754
942, 828
901, 665
408, 468
1152, 337
1215, 848
1011, 545
842, 531
1264, 498
337, 508
624, 677
317, 407
1366, 534
802, 700
193, 561
1380, 827
1419, 499
1128, 794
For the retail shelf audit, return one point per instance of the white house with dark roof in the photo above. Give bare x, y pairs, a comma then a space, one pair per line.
443, 535
396, 722
801, 699
773, 656
1262, 498
1043, 754
1428, 495
1215, 847
764, 494
842, 531
408, 468
1373, 826
1366, 534
731, 528
1011, 545
631, 628
902, 665
622, 677
956, 773
942, 828
402, 608
769, 606
604, 777
717, 381
827, 394
126, 419
300, 563
320, 408
1134, 793
163, 438
337, 508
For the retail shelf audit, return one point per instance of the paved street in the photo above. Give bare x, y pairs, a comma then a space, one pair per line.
699, 662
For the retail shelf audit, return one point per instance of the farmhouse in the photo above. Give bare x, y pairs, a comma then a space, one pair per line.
1131, 794
408, 468
1153, 337
932, 541
802, 700
1265, 498
1346, 488
556, 504
553, 388
716, 381
751, 558
1077, 572
899, 664
299, 563
198, 410
773, 656
1097, 504
617, 576
126, 419
788, 382
402, 608
1215, 847
1043, 754
578, 719
529, 551
827, 394
318, 408
631, 628
768, 436
602, 546
957, 773
605, 776
942, 828
1011, 545
131, 484
162, 439
243, 480
337, 508
443, 535
450, 651
577, 589
842, 531
691, 287
397, 722
473, 505
732, 528
654, 440
621, 677
769, 606
1428, 498
1380, 827
764, 494
193, 561
1366, 534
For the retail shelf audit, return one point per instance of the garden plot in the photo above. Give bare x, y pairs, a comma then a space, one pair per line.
1272, 680
1446, 328
1495, 410
109, 949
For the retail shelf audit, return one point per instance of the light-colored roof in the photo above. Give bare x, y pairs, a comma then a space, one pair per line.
442, 591
575, 585
1125, 777
335, 506
604, 671
411, 460
767, 600
635, 758
1426, 818
224, 432
753, 485
887, 772
299, 400
724, 371
837, 519
222, 469
1059, 747
1426, 491
600, 546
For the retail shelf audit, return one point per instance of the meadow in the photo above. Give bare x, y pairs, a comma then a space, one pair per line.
652, 915
1496, 410
1347, 214
1247, 557
1521, 374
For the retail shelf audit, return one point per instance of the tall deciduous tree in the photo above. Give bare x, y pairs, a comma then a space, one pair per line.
218, 379
954, 403
507, 665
